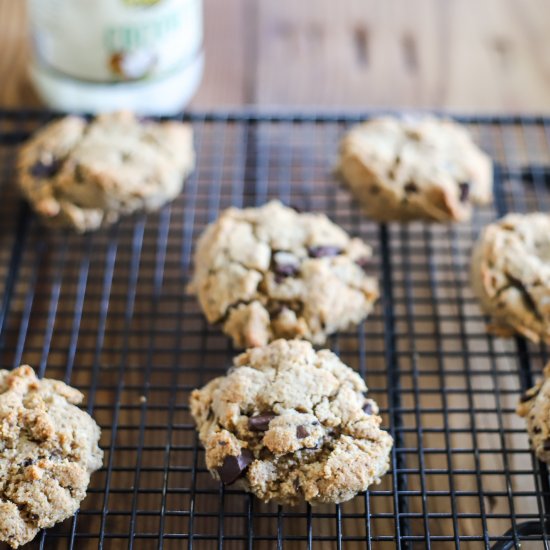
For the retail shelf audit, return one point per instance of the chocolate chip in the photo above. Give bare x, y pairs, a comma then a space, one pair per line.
79, 175
537, 429
546, 445
323, 251
363, 262
367, 407
285, 265
27, 462
284, 271
411, 187
260, 422
301, 432
44, 169
234, 466
528, 395
464, 187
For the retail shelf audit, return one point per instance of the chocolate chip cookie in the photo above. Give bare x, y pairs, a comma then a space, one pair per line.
87, 174
271, 272
510, 273
48, 450
290, 424
534, 406
415, 168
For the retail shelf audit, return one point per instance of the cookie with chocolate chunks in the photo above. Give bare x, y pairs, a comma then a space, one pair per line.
87, 174
271, 272
534, 406
409, 168
291, 424
510, 274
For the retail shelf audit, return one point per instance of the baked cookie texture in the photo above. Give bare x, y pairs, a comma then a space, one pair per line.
87, 174
48, 450
402, 169
290, 424
534, 406
271, 272
510, 274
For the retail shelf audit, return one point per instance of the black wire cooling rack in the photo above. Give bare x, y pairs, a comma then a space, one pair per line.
109, 314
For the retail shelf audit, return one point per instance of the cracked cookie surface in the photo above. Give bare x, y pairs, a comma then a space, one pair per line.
510, 273
534, 406
271, 272
48, 450
290, 424
86, 175
415, 168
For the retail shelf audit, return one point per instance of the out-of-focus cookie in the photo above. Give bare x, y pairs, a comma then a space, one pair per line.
48, 450
534, 406
415, 168
87, 174
510, 273
290, 424
271, 272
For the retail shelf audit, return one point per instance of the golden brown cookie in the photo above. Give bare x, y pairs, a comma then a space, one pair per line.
86, 175
415, 168
271, 272
48, 450
290, 424
510, 273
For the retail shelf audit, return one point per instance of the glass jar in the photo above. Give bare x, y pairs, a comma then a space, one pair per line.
103, 55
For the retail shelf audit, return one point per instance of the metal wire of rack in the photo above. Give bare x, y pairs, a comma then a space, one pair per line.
108, 313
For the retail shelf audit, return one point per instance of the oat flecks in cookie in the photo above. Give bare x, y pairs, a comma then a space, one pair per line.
510, 273
86, 175
290, 424
415, 168
48, 450
534, 406
271, 272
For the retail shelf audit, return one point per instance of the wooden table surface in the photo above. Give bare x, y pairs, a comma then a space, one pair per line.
462, 55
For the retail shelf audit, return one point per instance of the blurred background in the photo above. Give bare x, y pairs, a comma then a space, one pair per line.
489, 56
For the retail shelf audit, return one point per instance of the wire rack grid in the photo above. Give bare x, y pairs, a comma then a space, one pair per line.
108, 313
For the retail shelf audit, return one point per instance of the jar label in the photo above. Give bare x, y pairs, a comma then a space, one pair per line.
116, 40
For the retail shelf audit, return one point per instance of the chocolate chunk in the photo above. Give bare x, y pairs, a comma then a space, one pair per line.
367, 407
301, 432
45, 170
234, 466
323, 251
260, 422
537, 429
528, 395
285, 271
79, 175
546, 445
285, 265
411, 187
464, 187
276, 309
27, 462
